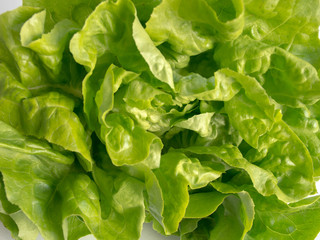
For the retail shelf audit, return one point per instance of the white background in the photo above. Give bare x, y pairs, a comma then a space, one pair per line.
148, 233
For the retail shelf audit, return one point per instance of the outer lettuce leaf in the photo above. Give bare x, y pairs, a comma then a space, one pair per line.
51, 117
12, 92
298, 75
33, 28
10, 225
50, 46
52, 192
86, 204
192, 27
61, 71
187, 226
307, 48
153, 194
25, 64
286, 78
75, 227
157, 63
76, 10
263, 180
282, 23
40, 170
277, 145
276, 220
203, 152
303, 122
123, 204
292, 25
279, 149
21, 61
27, 229
14, 219
6, 207
236, 212
175, 174
260, 125
11, 23
180, 171
201, 231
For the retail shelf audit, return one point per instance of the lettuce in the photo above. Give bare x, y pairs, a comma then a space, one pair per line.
201, 116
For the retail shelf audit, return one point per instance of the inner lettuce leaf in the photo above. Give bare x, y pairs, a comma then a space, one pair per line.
128, 143
124, 42
200, 116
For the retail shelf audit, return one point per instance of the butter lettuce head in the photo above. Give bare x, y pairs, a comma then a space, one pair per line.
200, 116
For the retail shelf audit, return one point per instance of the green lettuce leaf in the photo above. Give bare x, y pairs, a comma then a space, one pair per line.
220, 129
40, 169
181, 172
12, 92
259, 124
282, 23
104, 99
51, 117
220, 87
128, 143
199, 123
193, 27
203, 204
26, 65
155, 110
287, 79
125, 42
49, 46
305, 124
236, 212
76, 10
122, 203
264, 181
20, 61
276, 220
57, 191
14, 219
